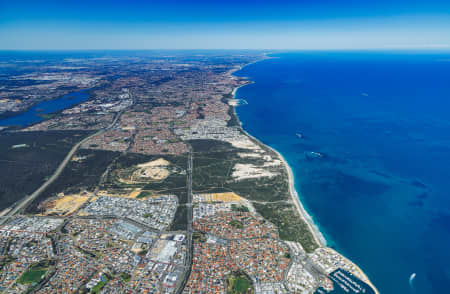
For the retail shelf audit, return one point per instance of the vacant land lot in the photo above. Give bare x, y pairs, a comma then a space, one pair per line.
239, 283
35, 272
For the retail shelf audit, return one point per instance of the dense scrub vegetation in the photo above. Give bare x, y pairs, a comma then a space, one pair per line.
28, 158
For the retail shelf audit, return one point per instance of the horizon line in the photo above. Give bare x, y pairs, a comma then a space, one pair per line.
431, 48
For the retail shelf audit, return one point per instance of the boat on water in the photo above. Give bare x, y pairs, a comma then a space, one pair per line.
314, 155
299, 135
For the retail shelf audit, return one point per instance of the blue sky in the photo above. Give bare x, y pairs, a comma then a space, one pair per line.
314, 24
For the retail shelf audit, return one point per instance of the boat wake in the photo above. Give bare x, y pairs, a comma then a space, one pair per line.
411, 280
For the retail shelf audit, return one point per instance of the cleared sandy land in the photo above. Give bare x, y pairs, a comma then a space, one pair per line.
125, 194
157, 162
246, 143
65, 205
156, 170
222, 197
243, 171
249, 155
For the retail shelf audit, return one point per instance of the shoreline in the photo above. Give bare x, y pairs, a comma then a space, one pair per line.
318, 236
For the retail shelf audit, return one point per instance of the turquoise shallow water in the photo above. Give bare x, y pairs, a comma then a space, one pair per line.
380, 195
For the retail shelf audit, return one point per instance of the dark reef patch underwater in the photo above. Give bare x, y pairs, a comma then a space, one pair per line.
381, 194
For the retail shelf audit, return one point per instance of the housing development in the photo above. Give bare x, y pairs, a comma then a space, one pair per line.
157, 188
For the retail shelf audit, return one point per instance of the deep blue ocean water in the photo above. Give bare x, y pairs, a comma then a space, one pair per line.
381, 195
34, 114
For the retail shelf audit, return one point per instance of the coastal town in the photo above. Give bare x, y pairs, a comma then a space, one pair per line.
164, 193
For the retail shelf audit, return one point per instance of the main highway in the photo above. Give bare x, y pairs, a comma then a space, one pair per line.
189, 243
29, 199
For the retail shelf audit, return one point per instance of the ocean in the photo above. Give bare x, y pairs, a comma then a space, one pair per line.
381, 193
